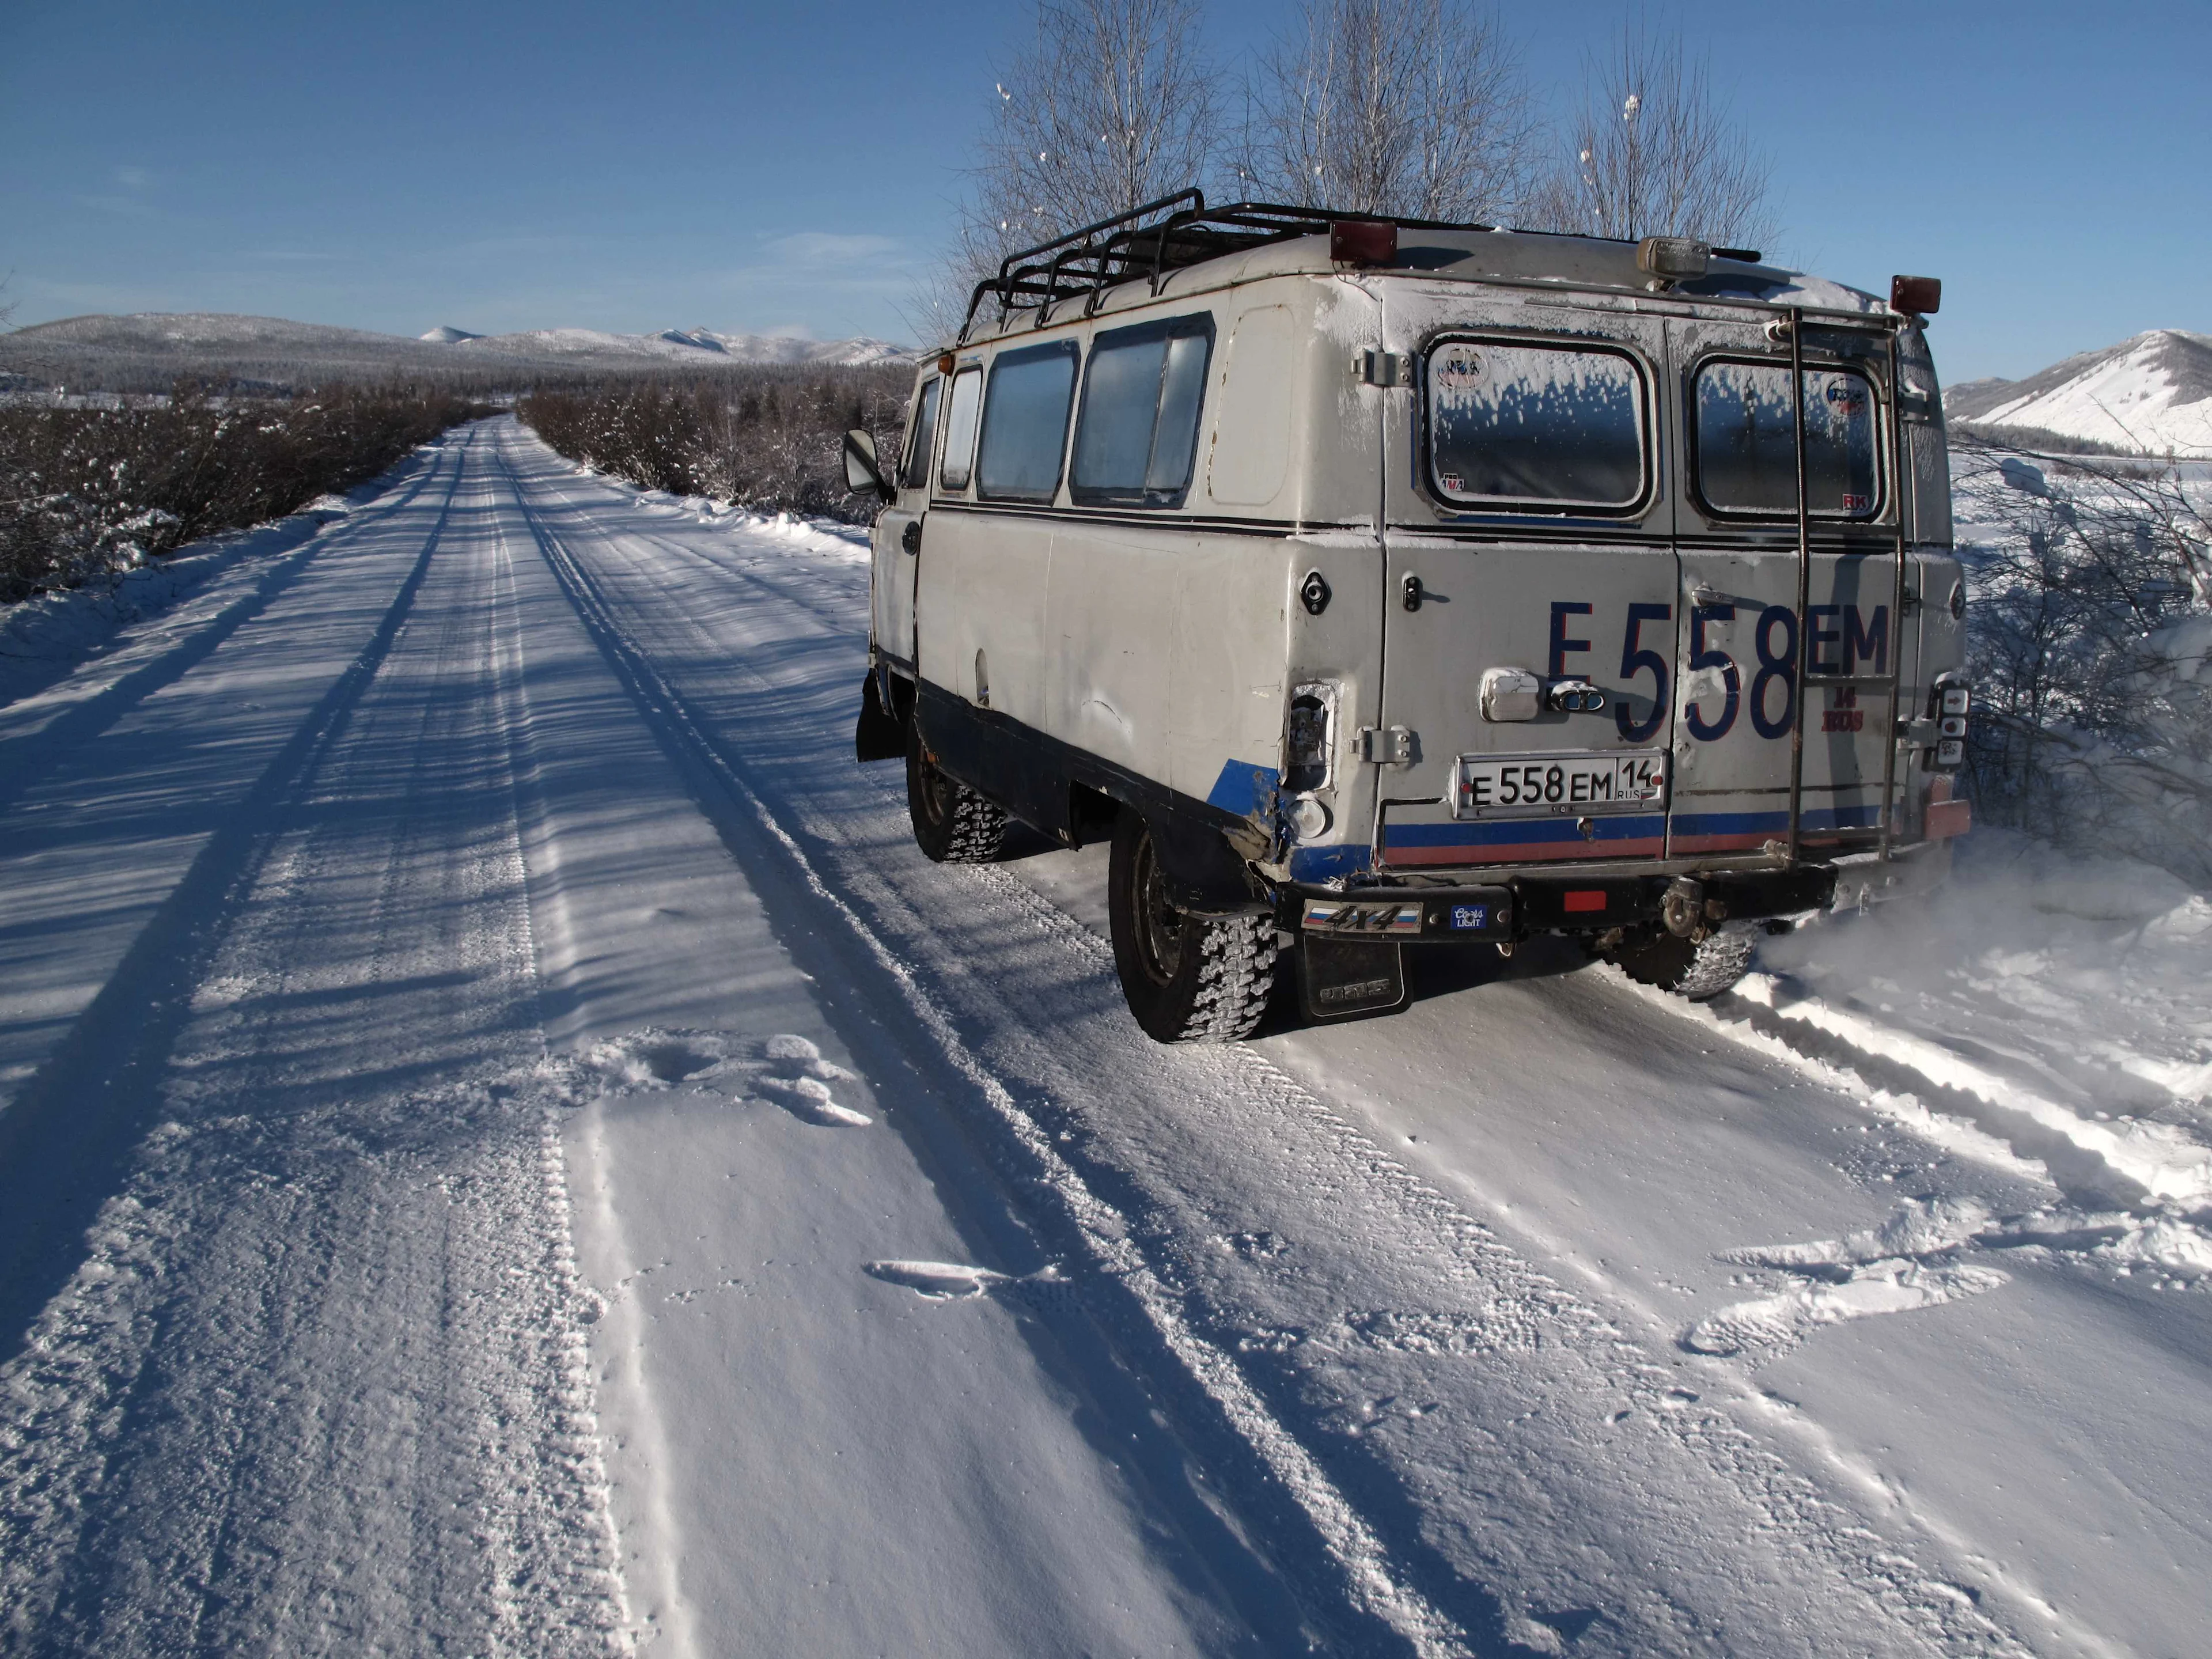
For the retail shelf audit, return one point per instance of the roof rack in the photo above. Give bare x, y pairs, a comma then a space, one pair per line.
1124, 248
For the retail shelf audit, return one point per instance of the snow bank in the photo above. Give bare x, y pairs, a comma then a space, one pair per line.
2067, 996
49, 636
846, 544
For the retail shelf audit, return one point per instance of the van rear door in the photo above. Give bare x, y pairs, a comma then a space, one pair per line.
1737, 533
1531, 620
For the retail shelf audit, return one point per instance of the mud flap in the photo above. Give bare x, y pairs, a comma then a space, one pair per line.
878, 737
1338, 978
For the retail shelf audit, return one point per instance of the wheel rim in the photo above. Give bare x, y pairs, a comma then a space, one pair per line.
936, 795
1159, 924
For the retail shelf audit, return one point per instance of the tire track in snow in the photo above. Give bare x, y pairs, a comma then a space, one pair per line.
33, 755
322, 1385
71, 1121
1920, 1611
1369, 1583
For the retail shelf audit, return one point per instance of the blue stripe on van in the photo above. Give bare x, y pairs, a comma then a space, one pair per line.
1867, 817
1518, 832
1320, 863
1243, 788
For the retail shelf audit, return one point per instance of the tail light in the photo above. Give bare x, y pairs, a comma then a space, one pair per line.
1951, 702
1306, 738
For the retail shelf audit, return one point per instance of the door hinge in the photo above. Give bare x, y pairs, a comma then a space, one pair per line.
1371, 368
1389, 746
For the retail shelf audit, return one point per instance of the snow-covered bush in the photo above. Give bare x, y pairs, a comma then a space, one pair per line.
87, 492
2092, 622
770, 438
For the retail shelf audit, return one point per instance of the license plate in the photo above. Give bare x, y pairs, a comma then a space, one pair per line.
1570, 786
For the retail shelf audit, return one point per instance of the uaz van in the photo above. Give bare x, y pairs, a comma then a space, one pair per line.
1377, 583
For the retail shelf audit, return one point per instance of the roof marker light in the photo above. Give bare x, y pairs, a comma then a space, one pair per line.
1669, 260
1919, 296
1363, 242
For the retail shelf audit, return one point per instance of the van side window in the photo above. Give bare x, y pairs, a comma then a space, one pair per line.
1138, 427
960, 429
915, 473
1025, 423
1535, 426
1746, 441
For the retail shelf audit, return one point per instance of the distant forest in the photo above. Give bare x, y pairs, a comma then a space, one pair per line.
766, 438
89, 492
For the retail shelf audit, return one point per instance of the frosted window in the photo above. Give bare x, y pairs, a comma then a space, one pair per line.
1025, 423
1535, 426
960, 430
1141, 394
916, 474
1747, 442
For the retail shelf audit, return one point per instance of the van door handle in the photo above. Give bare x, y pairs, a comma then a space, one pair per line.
1413, 591
910, 538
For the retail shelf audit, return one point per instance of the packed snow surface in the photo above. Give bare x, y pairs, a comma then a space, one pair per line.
507, 1147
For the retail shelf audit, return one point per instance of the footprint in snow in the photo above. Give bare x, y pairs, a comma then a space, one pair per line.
799, 1080
951, 1281
1907, 1263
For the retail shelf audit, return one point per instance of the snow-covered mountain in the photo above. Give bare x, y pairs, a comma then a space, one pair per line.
2152, 392
687, 345
146, 352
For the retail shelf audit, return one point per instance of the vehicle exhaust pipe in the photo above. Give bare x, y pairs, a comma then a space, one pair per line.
1683, 908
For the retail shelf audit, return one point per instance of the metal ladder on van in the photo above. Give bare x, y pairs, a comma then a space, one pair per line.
1889, 685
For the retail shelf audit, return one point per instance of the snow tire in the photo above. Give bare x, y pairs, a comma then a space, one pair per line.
1186, 978
1698, 969
952, 824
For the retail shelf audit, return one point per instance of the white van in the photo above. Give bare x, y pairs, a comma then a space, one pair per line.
1379, 583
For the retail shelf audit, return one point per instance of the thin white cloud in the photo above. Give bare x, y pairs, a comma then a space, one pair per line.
133, 178
823, 247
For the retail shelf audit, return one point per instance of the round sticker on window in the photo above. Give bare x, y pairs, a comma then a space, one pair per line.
1458, 367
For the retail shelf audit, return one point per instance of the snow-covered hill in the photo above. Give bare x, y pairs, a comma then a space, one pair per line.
145, 351
2152, 392
688, 345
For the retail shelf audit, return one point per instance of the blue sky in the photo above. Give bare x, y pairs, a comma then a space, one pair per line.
498, 165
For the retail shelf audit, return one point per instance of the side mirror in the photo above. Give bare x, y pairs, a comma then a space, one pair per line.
863, 472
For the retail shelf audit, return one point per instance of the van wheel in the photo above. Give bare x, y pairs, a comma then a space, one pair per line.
1698, 970
1187, 979
952, 824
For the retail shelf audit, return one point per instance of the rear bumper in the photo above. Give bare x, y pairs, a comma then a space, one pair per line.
1523, 906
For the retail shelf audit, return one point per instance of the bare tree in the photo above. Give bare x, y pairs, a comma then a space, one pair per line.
1654, 153
2091, 622
1110, 106
1414, 107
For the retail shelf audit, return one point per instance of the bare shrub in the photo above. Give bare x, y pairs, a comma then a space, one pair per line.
1109, 106
2090, 630
1653, 152
1417, 108
86, 492
767, 438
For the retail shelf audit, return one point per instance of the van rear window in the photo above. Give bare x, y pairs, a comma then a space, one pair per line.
1025, 423
1535, 426
1139, 428
1747, 441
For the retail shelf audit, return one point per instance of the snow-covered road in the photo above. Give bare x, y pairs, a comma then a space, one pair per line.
507, 1147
